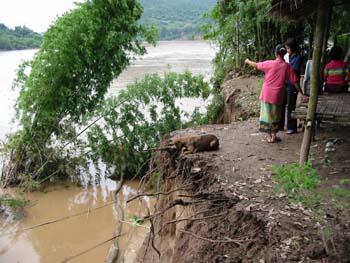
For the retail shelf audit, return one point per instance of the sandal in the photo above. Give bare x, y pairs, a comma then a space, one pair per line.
273, 139
270, 140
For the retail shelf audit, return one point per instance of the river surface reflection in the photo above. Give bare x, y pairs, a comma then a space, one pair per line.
86, 216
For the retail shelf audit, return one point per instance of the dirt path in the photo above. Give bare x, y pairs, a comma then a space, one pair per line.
245, 219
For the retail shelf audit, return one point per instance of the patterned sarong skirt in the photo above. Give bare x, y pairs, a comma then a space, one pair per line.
270, 116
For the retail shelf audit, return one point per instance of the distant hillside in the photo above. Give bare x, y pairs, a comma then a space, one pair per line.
177, 19
18, 38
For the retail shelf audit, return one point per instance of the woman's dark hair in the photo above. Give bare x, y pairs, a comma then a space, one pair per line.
292, 44
280, 50
336, 53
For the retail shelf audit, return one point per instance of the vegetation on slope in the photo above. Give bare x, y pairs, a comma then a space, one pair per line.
243, 29
19, 38
62, 96
180, 19
80, 55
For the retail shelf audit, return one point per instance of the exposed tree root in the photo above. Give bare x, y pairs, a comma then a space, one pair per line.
113, 252
229, 240
156, 194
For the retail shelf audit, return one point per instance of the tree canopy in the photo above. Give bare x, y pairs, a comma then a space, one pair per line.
244, 29
19, 38
81, 53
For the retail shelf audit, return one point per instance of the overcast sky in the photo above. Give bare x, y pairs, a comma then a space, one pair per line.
35, 14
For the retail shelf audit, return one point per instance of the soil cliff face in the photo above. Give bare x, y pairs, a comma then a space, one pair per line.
241, 99
221, 207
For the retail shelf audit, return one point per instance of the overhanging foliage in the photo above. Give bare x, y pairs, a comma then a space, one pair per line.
82, 52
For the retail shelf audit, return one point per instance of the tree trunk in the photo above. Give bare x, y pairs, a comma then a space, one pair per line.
315, 80
238, 56
113, 252
257, 39
311, 36
328, 21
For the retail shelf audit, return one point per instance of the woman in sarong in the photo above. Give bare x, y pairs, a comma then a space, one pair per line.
276, 71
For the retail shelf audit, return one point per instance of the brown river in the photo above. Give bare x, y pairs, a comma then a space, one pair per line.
67, 223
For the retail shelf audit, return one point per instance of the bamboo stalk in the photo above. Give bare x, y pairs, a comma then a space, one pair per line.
238, 56
315, 80
328, 22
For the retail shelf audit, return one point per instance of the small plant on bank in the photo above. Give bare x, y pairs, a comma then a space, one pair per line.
297, 181
215, 108
338, 195
135, 220
11, 202
345, 181
341, 192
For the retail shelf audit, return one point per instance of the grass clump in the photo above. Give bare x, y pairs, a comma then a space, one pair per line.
345, 181
136, 221
341, 192
297, 181
11, 202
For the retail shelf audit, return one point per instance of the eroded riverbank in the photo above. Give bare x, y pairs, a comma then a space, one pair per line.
50, 243
222, 206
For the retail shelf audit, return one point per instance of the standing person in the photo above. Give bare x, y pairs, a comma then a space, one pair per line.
335, 73
276, 73
291, 93
307, 77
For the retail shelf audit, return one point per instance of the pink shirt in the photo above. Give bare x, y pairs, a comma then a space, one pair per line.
276, 73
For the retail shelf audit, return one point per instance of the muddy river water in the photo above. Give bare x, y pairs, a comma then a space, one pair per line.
81, 220
86, 218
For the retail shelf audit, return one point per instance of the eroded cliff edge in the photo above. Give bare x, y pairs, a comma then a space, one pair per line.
221, 206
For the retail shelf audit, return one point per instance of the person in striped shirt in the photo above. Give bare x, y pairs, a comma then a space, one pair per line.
335, 74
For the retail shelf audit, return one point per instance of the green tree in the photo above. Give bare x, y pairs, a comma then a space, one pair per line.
81, 53
135, 121
339, 31
243, 29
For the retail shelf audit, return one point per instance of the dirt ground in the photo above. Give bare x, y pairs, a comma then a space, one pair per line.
253, 222
227, 208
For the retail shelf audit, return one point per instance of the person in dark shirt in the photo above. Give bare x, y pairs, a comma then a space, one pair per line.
291, 93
